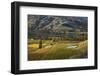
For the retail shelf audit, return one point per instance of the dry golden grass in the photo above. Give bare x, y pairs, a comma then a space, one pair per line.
58, 50
83, 44
33, 45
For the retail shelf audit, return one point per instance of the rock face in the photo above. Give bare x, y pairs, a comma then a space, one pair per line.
50, 24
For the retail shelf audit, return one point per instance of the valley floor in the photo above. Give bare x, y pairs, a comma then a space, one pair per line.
58, 50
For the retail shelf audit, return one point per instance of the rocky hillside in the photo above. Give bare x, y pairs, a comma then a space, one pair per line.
56, 23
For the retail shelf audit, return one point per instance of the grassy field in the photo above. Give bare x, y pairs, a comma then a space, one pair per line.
57, 50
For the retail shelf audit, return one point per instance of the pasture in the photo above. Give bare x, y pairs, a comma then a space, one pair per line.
52, 50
